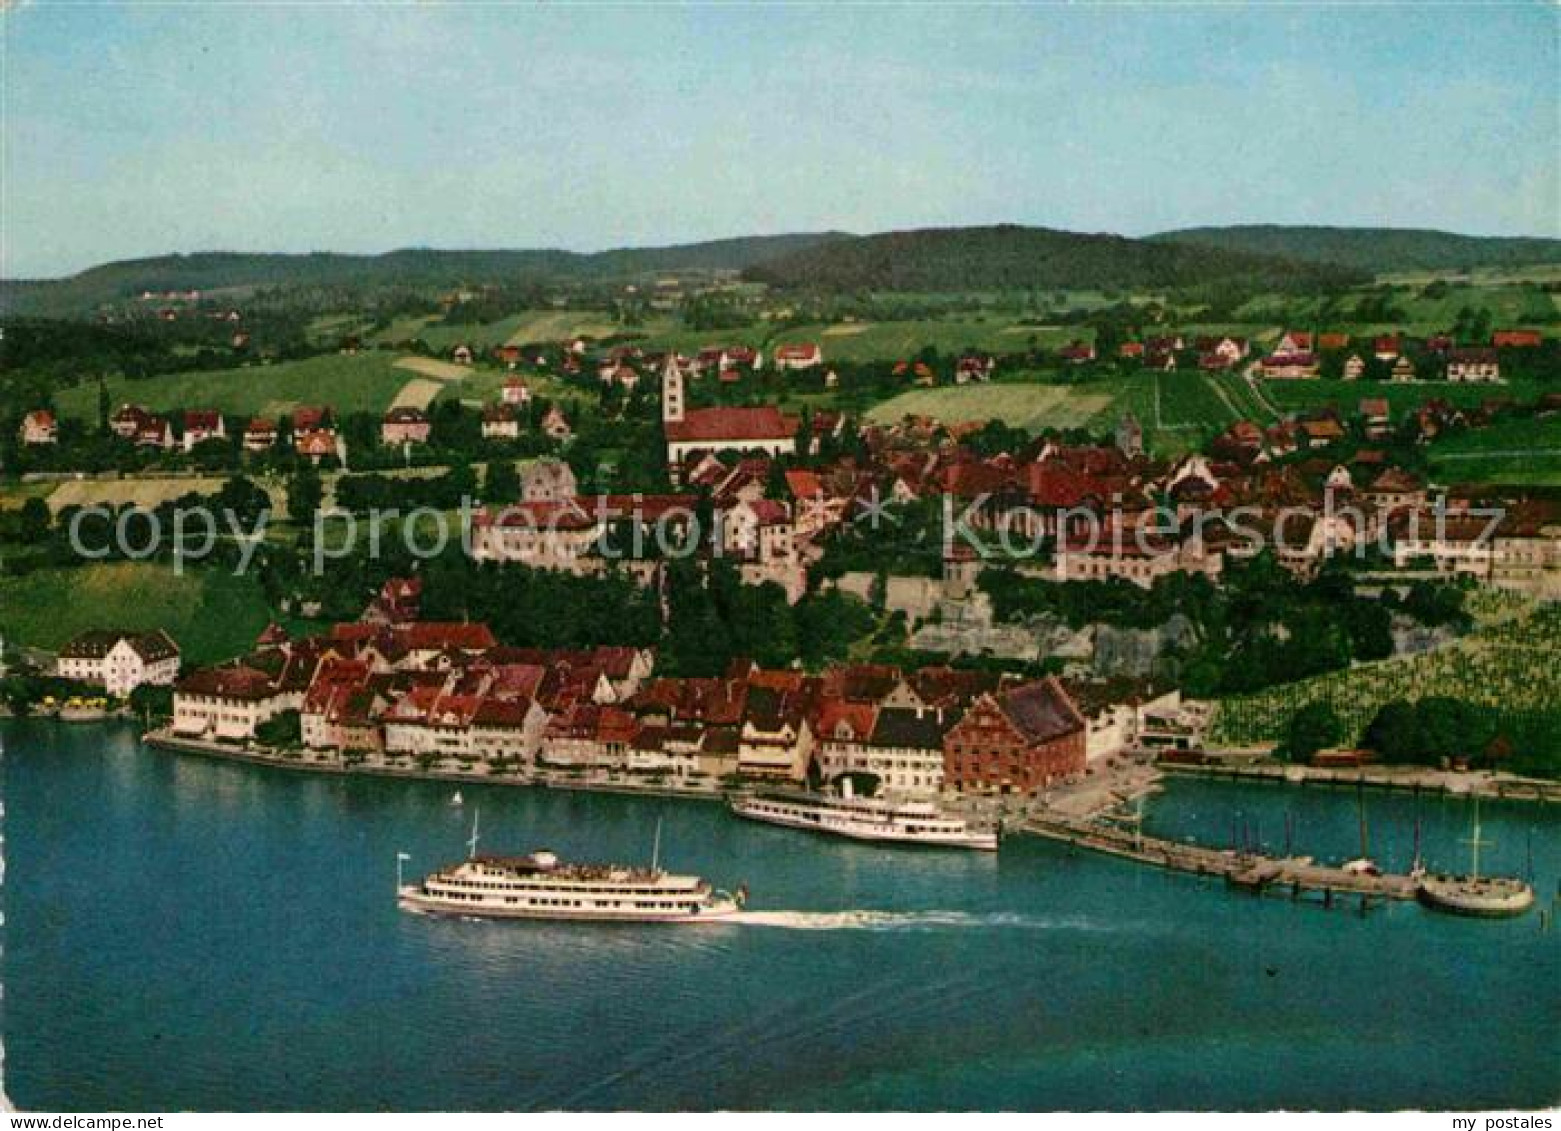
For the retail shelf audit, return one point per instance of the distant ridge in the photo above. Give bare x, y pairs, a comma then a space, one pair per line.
1009, 256
213, 270
1002, 256
1372, 249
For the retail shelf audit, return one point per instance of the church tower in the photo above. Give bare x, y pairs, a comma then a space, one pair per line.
671, 391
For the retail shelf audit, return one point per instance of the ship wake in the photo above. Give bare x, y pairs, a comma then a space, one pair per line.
908, 921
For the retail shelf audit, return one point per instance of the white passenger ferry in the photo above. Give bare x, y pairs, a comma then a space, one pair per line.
541, 886
863, 818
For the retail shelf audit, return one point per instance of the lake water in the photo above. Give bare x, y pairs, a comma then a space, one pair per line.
186, 933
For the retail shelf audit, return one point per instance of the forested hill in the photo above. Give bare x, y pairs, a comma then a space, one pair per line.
1009, 256
210, 271
1377, 250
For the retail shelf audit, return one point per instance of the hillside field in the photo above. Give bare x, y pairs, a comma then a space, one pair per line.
210, 613
365, 382
1177, 410
1524, 451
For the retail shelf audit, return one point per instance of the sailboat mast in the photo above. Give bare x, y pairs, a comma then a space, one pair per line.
1474, 843
1360, 807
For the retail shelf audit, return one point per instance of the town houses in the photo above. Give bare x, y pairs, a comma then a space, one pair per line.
446, 697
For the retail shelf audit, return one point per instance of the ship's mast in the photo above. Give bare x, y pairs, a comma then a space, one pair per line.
655, 848
471, 844
1360, 806
1474, 842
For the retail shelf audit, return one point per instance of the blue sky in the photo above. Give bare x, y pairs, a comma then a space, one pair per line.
142, 130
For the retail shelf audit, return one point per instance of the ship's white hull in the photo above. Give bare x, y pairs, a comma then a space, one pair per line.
846, 824
1488, 899
417, 900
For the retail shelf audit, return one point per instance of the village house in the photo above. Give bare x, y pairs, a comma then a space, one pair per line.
1354, 366
1482, 364
802, 355
119, 662
516, 392
259, 435
1395, 489
39, 427
1016, 741
1375, 420
1289, 366
141, 427
1320, 431
202, 424
1077, 352
404, 424
548, 481
973, 367
1387, 347
499, 422
461, 354
1403, 370
316, 445
555, 425
1293, 342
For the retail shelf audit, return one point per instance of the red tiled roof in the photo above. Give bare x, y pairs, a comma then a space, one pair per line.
1042, 711
713, 425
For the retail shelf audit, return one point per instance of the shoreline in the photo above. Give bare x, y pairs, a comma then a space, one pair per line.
1415, 779
163, 740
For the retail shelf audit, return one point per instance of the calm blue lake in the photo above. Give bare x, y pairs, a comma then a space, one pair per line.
190, 934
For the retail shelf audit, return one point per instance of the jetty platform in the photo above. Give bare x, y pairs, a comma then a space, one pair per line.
1297, 876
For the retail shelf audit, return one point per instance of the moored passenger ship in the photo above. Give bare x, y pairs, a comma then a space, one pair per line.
541, 886
864, 818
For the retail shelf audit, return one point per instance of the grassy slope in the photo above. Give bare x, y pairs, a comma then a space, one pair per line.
364, 382
1524, 451
212, 614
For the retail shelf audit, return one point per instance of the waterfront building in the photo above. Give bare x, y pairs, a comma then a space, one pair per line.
119, 662
1016, 741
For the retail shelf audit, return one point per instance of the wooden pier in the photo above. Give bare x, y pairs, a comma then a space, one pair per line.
1298, 876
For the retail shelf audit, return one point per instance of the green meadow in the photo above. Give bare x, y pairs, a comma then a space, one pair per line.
210, 613
365, 382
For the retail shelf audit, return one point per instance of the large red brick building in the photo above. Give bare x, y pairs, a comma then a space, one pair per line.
1019, 740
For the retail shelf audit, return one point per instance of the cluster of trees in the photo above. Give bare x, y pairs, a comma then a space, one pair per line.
717, 310
1431, 730
713, 619
1434, 731
359, 493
